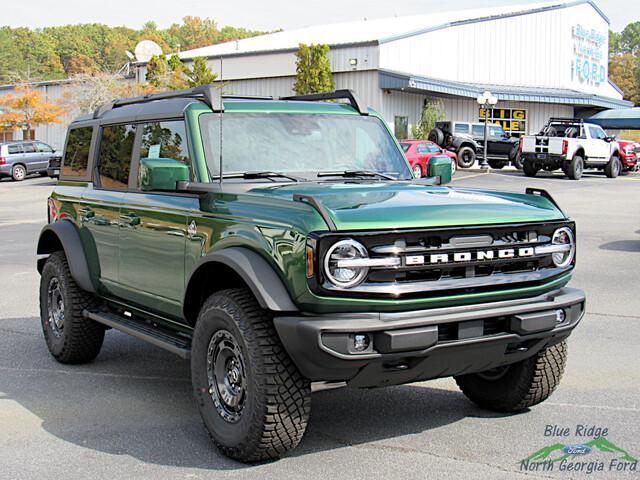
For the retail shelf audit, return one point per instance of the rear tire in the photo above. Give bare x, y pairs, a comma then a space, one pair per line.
575, 168
417, 170
466, 157
517, 161
18, 173
436, 135
496, 164
70, 337
613, 168
518, 386
252, 398
529, 169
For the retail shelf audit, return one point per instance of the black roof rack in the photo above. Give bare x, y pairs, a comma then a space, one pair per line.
566, 120
337, 95
212, 97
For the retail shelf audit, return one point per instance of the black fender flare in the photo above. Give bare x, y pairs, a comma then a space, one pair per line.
64, 233
254, 270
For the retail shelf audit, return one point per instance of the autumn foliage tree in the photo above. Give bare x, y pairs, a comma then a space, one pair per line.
26, 109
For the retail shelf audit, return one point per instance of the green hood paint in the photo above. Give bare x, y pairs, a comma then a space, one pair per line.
389, 205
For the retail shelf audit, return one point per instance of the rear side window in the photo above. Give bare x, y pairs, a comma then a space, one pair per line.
29, 147
116, 147
461, 128
478, 130
14, 149
76, 154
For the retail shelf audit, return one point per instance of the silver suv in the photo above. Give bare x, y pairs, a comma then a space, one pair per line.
19, 159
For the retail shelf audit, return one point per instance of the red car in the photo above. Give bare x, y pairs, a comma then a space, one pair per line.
629, 153
418, 152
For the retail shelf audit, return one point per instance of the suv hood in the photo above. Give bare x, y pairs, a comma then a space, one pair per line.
388, 205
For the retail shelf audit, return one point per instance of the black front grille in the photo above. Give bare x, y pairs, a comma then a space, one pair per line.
471, 271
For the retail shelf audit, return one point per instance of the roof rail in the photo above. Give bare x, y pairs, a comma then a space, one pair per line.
206, 92
337, 95
566, 120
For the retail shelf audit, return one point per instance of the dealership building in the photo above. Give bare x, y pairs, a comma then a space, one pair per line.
539, 60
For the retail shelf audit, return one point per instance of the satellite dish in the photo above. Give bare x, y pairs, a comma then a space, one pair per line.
147, 49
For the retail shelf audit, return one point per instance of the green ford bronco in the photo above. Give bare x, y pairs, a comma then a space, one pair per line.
283, 246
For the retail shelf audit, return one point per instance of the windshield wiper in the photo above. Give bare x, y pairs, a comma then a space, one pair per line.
267, 174
356, 173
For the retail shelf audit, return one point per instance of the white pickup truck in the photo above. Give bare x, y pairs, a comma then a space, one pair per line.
571, 145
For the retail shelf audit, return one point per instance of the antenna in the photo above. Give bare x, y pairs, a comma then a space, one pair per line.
221, 113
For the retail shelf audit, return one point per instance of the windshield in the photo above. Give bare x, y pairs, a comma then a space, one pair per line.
300, 144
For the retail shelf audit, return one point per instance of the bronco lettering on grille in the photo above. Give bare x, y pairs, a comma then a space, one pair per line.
461, 257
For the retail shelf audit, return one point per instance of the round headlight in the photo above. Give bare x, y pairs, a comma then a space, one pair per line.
341, 275
563, 236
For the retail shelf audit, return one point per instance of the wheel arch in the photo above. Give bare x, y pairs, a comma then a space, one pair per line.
63, 235
235, 267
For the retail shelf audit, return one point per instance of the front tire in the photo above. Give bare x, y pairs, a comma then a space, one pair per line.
252, 398
70, 337
518, 386
612, 169
417, 171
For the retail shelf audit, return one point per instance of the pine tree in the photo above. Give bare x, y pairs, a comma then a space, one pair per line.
313, 70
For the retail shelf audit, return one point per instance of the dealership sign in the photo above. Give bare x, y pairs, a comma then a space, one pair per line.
512, 120
588, 64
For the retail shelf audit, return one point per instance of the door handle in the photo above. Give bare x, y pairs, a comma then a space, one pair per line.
130, 219
87, 212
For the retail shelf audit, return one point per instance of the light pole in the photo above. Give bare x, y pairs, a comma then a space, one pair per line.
487, 101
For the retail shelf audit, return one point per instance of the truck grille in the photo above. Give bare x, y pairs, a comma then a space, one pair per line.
449, 261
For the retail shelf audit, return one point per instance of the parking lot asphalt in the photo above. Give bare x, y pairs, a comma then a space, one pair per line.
130, 413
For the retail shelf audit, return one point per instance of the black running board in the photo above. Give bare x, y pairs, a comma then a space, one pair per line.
172, 343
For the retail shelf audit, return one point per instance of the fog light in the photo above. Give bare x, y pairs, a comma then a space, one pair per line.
560, 316
361, 342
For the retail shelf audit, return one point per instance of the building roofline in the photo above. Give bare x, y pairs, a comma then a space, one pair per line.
411, 83
489, 18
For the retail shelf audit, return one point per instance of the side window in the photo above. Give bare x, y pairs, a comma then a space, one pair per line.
76, 154
28, 147
478, 130
422, 148
433, 148
14, 149
114, 160
597, 133
166, 140
43, 147
461, 128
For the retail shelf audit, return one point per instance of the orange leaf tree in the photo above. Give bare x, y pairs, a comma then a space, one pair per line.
26, 109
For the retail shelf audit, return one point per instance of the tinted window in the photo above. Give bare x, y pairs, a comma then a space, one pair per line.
14, 148
28, 147
116, 147
43, 147
165, 140
461, 128
478, 130
76, 154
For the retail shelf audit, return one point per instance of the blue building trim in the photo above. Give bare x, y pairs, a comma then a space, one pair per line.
390, 80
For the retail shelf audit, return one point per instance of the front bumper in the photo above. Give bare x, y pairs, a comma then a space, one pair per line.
420, 345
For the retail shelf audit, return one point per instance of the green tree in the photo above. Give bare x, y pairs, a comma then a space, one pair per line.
200, 73
614, 42
630, 38
432, 112
313, 70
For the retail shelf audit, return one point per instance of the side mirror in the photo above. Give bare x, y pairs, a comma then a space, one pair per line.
609, 139
161, 173
440, 166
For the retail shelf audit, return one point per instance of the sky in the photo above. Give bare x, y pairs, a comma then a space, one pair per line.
255, 14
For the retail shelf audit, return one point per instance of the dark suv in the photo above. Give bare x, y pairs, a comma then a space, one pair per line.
467, 141
280, 244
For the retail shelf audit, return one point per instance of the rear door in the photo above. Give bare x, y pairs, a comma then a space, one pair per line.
153, 226
102, 200
31, 157
15, 153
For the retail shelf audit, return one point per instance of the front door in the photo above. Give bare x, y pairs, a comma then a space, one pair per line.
153, 227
